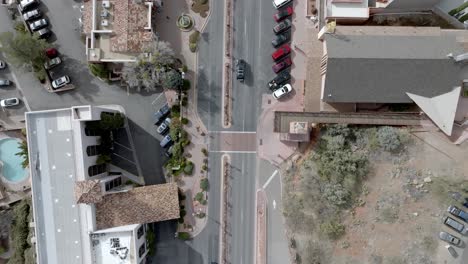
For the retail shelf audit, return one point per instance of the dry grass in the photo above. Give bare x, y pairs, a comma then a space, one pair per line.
201, 7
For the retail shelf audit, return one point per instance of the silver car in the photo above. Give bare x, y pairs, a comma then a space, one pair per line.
450, 239
38, 24
60, 82
9, 102
5, 82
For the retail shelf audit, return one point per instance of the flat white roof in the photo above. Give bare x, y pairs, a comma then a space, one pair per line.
351, 9
53, 175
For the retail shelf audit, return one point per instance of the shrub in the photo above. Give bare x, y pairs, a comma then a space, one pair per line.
183, 235
199, 197
201, 215
183, 213
20, 231
188, 169
184, 121
204, 167
181, 220
332, 229
185, 101
186, 85
203, 202
193, 47
184, 68
204, 184
204, 151
21, 28
193, 38
103, 158
388, 138
336, 194
185, 142
181, 195
150, 239
99, 70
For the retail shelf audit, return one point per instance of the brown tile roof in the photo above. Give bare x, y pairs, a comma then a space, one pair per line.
129, 22
146, 204
88, 191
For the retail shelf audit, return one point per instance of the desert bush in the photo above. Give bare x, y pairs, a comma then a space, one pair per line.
336, 194
186, 85
201, 215
184, 120
199, 197
204, 151
332, 229
183, 235
204, 184
388, 138
188, 169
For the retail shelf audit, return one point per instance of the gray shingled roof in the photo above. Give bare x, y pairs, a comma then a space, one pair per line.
381, 69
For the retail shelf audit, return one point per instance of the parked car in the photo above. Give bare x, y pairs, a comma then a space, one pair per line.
33, 14
161, 114
458, 212
280, 39
168, 152
283, 13
38, 24
287, 88
26, 5
450, 239
282, 65
44, 33
240, 70
5, 82
281, 78
2, 65
9, 102
452, 251
52, 63
164, 127
166, 141
455, 225
60, 82
282, 26
281, 52
51, 53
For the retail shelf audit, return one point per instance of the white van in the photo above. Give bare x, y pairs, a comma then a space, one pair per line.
280, 3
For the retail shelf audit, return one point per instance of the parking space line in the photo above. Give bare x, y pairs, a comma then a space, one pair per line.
154, 101
134, 163
115, 142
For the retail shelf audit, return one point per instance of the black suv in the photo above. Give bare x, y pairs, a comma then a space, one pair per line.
281, 78
161, 114
240, 70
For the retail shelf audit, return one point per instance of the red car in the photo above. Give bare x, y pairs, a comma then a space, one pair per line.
51, 53
282, 14
281, 52
282, 65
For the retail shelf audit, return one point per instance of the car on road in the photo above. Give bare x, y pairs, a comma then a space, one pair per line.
161, 114
452, 251
38, 24
450, 239
2, 65
455, 225
286, 89
281, 78
280, 39
164, 127
51, 53
282, 26
240, 70
282, 65
281, 52
5, 82
60, 82
33, 14
52, 63
283, 13
458, 212
166, 141
9, 102
44, 33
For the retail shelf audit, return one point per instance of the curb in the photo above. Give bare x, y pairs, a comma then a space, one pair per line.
260, 253
222, 227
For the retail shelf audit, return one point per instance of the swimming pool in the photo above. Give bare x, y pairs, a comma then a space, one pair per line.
12, 170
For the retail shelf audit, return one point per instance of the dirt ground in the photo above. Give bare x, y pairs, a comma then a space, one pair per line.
405, 196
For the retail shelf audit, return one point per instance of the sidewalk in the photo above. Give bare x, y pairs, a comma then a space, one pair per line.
179, 40
261, 227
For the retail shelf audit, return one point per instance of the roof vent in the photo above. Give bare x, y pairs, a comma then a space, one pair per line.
458, 58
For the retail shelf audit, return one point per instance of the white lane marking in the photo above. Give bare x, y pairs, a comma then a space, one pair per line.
274, 204
270, 179
232, 132
233, 151
154, 101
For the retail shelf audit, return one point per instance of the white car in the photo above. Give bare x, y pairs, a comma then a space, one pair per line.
38, 24
2, 65
285, 89
60, 82
9, 102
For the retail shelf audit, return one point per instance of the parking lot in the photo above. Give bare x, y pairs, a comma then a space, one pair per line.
11, 117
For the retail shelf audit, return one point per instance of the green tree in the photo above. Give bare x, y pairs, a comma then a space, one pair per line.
19, 232
24, 153
23, 49
204, 184
173, 80
111, 121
